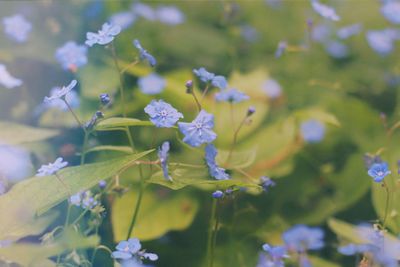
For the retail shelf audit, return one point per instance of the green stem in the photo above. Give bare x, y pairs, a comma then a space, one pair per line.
211, 233
196, 100
235, 135
98, 248
121, 80
205, 91
386, 204
80, 216
65, 227
137, 208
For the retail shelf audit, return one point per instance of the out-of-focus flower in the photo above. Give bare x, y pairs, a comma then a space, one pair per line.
391, 11
123, 19
72, 98
104, 36
162, 114
219, 81
170, 15
151, 84
321, 33
7, 80
231, 95
105, 99
272, 88
282, 45
301, 238
218, 194
71, 56
249, 33
199, 131
276, 255
61, 93
204, 75
214, 170
380, 41
352, 249
312, 131
266, 183
52, 168
143, 10
163, 156
337, 49
324, 10
379, 171
348, 31
15, 164
17, 28
144, 55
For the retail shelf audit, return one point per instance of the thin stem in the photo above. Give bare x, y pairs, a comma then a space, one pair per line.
73, 113
384, 185
130, 65
121, 80
84, 147
130, 140
210, 239
137, 208
80, 217
235, 136
205, 91
63, 183
196, 100
98, 248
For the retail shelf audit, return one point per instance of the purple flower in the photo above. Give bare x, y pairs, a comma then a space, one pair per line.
130, 250
162, 114
379, 171
381, 41
104, 36
325, 11
312, 131
301, 238
144, 55
391, 11
214, 170
52, 168
61, 93
170, 15
163, 156
231, 95
71, 56
218, 194
7, 80
199, 131
151, 84
17, 28
272, 88
123, 19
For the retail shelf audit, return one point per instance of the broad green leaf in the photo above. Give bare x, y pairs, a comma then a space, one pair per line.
237, 159
20, 206
29, 254
13, 134
159, 213
346, 231
118, 123
94, 79
122, 149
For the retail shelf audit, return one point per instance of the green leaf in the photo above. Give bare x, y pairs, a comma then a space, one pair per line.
122, 149
237, 159
346, 231
159, 213
20, 206
14, 134
94, 79
117, 123
35, 254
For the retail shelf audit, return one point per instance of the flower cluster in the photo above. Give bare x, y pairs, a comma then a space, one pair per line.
52, 168
208, 77
86, 200
129, 253
104, 36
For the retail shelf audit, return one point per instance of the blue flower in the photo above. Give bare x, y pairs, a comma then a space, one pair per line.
88, 201
214, 170
301, 238
123, 19
163, 156
219, 82
312, 131
276, 255
272, 88
282, 45
71, 56
379, 171
52, 168
266, 183
380, 41
170, 15
204, 75
337, 49
72, 98
7, 80
61, 93
17, 28
105, 99
249, 33
321, 33
130, 250
76, 199
15, 163
391, 11
352, 249
218, 194
143, 10
348, 31
162, 114
231, 95
104, 36
324, 10
151, 84
144, 55
199, 131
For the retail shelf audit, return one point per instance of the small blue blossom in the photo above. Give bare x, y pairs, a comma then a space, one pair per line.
170, 15
105, 99
123, 19
143, 10
213, 168
204, 75
272, 88
151, 84
162, 114
266, 183
144, 55
76, 199
52, 168
88, 201
17, 28
231, 95
71, 56
130, 251
163, 156
218, 194
312, 131
249, 33
348, 31
219, 82
276, 255
380, 41
7, 80
282, 46
391, 11
15, 163
301, 238
72, 98
104, 36
324, 10
199, 131
321, 33
352, 249
102, 184
61, 93
379, 171
337, 49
